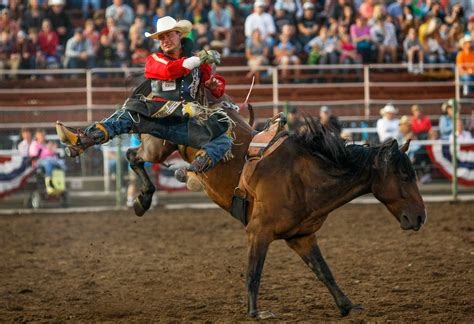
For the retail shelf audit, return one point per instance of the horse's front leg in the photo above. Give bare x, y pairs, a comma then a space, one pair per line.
143, 201
258, 244
308, 249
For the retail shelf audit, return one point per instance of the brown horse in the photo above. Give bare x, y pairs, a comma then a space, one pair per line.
294, 190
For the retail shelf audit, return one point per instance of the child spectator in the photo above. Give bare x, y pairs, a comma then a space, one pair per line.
106, 54
91, 34
412, 49
123, 54
256, 52
384, 37
420, 124
327, 45
348, 50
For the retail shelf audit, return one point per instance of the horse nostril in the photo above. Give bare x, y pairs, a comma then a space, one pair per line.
405, 218
419, 220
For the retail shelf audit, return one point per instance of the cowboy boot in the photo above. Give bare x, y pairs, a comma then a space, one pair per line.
78, 141
201, 163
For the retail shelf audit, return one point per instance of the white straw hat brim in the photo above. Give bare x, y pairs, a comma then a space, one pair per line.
183, 27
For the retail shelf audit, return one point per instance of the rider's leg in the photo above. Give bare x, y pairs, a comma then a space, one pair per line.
211, 153
79, 140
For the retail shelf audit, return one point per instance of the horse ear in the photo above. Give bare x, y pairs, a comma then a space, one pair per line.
405, 146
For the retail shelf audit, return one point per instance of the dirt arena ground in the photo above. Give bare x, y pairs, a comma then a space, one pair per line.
176, 265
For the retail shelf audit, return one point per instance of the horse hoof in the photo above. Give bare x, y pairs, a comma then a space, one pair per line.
262, 315
181, 175
138, 208
353, 309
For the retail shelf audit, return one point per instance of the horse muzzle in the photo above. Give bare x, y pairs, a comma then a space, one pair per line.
413, 221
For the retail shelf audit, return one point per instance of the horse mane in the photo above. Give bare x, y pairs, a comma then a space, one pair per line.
339, 156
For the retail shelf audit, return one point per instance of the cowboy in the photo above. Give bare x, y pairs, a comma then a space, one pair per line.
176, 77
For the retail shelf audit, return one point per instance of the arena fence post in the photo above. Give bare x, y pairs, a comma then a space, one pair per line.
275, 90
454, 144
89, 95
366, 91
118, 174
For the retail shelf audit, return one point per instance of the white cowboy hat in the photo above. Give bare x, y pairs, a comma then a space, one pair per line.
465, 39
389, 108
56, 2
167, 24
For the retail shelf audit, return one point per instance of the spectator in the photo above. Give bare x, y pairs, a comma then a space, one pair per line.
384, 37
405, 131
281, 17
366, 9
327, 45
428, 35
256, 52
33, 16
388, 125
293, 7
220, 25
60, 21
446, 120
173, 8
79, 51
47, 158
106, 55
395, 10
7, 24
142, 13
360, 34
36, 57
262, 21
48, 42
27, 140
6, 47
294, 120
348, 50
347, 18
121, 13
420, 124
99, 20
139, 50
197, 15
307, 25
91, 34
407, 21
465, 63
112, 32
329, 121
202, 37
412, 50
89, 6
123, 54
284, 53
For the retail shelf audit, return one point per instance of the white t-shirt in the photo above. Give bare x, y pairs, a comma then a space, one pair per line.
263, 22
387, 129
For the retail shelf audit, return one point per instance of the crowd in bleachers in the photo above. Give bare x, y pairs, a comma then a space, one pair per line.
41, 33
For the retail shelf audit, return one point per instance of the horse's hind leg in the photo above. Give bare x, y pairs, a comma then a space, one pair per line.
143, 201
308, 249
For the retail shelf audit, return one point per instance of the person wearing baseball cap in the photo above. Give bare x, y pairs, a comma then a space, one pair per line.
175, 77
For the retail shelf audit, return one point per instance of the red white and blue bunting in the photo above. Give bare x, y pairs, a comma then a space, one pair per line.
14, 172
440, 155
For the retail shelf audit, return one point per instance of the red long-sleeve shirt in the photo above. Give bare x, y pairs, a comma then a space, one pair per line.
420, 125
159, 67
48, 42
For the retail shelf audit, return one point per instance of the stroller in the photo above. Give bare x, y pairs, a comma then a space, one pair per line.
48, 190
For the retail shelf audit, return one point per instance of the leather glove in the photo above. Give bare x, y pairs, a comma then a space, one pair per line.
209, 57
